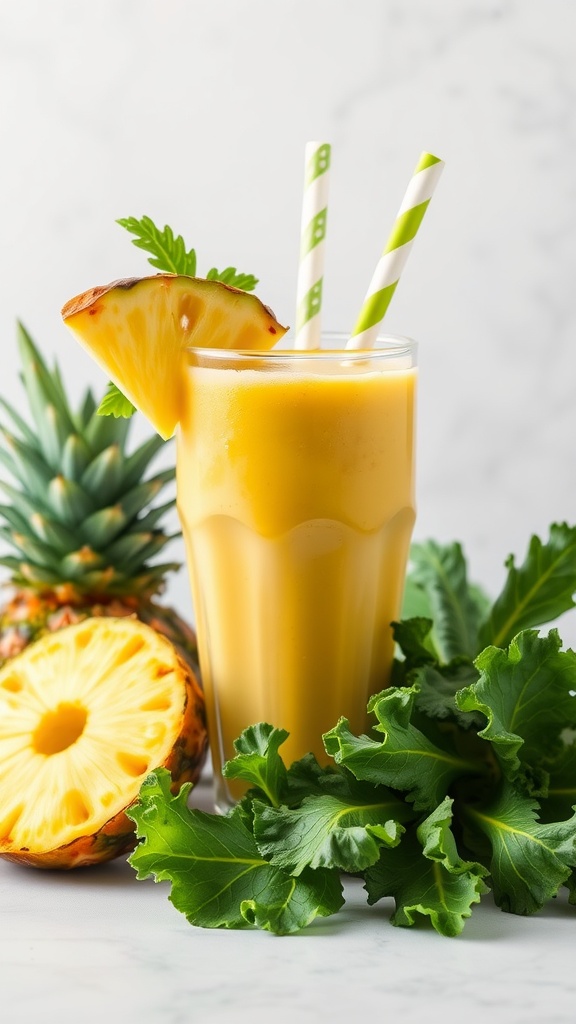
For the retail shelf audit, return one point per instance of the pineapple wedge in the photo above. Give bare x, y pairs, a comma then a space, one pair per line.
85, 714
138, 330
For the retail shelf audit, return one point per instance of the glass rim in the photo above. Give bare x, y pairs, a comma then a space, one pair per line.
389, 344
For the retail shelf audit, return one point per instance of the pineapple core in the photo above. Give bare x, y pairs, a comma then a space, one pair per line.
59, 729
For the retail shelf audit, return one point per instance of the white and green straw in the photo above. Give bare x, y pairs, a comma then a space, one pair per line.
396, 251
313, 234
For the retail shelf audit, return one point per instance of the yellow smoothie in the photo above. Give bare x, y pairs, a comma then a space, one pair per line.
296, 497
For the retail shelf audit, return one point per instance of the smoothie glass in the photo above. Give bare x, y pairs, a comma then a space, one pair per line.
295, 477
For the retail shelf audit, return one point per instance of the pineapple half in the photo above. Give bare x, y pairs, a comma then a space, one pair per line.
85, 714
83, 524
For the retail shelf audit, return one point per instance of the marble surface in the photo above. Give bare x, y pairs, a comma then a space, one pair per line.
97, 944
197, 114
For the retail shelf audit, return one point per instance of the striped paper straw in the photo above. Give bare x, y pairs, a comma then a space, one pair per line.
396, 251
313, 233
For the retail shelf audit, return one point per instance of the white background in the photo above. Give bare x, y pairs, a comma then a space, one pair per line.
197, 113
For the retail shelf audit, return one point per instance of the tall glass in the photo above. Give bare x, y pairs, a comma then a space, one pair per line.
295, 479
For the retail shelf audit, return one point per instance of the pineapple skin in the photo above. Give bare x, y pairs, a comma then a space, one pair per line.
29, 614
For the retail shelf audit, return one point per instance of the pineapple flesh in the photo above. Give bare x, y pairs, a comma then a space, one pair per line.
138, 330
85, 714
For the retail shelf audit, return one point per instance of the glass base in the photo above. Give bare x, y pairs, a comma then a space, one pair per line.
223, 801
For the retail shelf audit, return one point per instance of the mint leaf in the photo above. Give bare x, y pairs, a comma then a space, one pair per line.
340, 828
529, 860
525, 694
168, 252
258, 761
440, 571
114, 403
230, 276
219, 879
426, 876
406, 759
538, 591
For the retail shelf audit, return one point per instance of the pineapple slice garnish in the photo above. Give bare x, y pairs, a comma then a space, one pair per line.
85, 714
138, 331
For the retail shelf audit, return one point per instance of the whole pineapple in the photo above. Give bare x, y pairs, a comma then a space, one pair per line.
81, 522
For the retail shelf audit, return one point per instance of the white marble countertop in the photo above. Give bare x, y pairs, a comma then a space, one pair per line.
95, 944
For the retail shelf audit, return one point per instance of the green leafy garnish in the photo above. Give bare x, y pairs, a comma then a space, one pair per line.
219, 878
342, 825
406, 759
258, 761
168, 254
540, 590
115, 403
467, 782
426, 875
168, 251
523, 727
440, 572
230, 276
528, 861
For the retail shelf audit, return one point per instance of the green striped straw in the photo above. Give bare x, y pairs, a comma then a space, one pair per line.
396, 251
313, 233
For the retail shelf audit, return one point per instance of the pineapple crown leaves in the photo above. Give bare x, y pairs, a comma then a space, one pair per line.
79, 509
168, 254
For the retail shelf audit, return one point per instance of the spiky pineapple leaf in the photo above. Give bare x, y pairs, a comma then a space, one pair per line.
86, 410
25, 465
139, 497
136, 463
75, 492
103, 478
75, 456
43, 387
102, 431
27, 433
